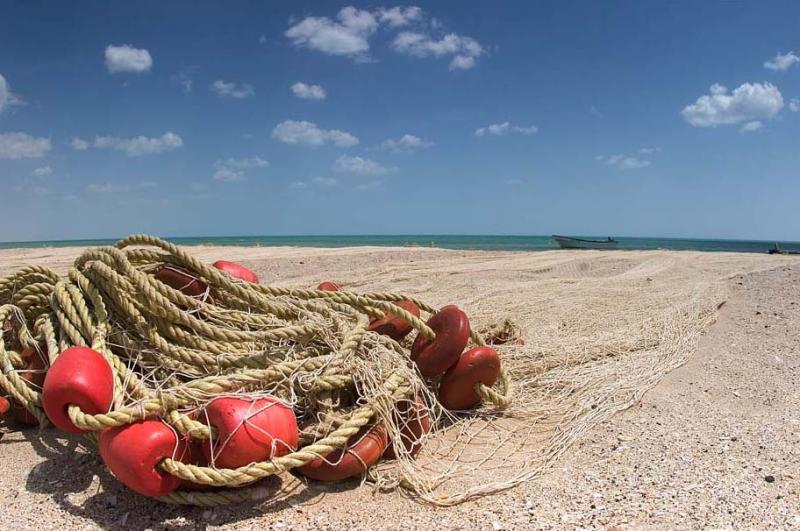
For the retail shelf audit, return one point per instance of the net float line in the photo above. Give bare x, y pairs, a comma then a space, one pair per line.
126, 343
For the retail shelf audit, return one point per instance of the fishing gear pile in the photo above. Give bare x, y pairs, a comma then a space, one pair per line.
196, 382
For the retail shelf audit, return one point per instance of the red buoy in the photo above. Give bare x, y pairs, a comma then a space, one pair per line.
328, 286
457, 388
249, 430
393, 325
433, 357
414, 420
133, 452
181, 280
237, 271
361, 452
79, 376
33, 373
4, 406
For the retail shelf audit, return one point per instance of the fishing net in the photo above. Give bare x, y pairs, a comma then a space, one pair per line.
579, 340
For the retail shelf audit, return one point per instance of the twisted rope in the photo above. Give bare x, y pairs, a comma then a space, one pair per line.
171, 354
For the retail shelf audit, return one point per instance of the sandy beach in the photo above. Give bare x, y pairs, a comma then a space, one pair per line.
713, 443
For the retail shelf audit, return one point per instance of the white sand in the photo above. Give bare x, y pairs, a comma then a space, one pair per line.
694, 453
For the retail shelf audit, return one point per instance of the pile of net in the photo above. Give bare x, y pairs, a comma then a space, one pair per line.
186, 344
197, 384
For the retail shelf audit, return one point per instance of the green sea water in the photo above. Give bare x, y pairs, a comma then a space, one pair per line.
491, 243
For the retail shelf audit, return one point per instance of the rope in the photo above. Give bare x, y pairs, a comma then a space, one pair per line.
171, 354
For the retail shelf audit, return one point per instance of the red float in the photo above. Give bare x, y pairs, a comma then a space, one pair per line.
133, 452
457, 388
237, 271
328, 286
414, 420
433, 357
249, 430
181, 280
79, 376
361, 452
4, 406
33, 373
393, 325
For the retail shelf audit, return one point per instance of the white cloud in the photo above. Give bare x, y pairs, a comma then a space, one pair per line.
623, 162
506, 128
347, 36
7, 98
362, 166
406, 143
749, 127
324, 181
233, 90
750, 101
99, 188
42, 171
140, 145
463, 49
232, 170
184, 78
794, 104
23, 146
369, 184
244, 164
228, 175
302, 132
349, 33
782, 61
126, 58
396, 17
649, 150
308, 92
79, 144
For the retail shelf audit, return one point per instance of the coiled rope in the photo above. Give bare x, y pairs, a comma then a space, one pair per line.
171, 353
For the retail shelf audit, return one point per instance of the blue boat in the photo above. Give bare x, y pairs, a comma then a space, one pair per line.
568, 242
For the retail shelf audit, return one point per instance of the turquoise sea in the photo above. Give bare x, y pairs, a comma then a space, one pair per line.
492, 243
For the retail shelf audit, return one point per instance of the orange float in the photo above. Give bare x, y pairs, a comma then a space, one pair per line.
414, 420
237, 271
457, 388
4, 406
79, 376
328, 286
181, 280
433, 357
33, 373
133, 452
363, 450
393, 325
249, 430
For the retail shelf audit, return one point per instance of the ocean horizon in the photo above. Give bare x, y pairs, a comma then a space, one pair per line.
465, 242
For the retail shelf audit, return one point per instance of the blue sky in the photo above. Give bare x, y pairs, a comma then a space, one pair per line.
247, 118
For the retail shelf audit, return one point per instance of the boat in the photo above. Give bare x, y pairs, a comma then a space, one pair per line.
778, 250
568, 242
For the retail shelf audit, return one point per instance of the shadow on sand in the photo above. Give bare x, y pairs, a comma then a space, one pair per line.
77, 480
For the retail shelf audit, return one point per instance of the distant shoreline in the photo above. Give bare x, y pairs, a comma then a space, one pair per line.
461, 242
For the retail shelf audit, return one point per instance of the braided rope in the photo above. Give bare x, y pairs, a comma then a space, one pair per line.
171, 353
